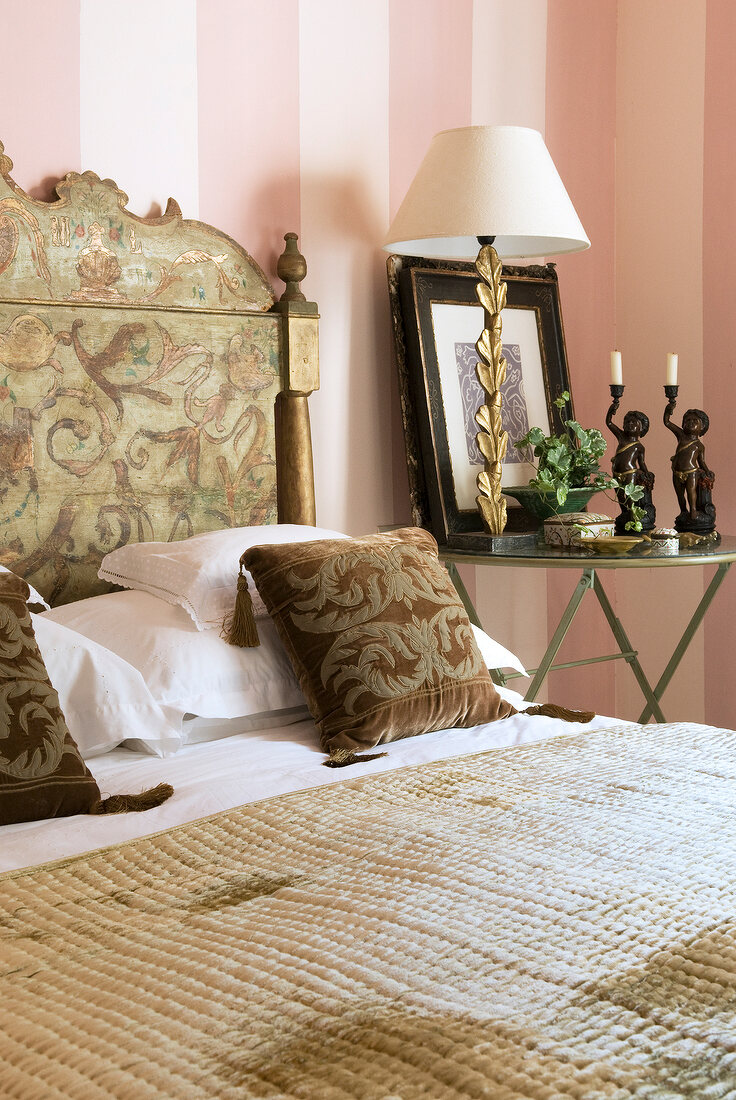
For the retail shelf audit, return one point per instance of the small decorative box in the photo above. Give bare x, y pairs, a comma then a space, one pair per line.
572, 528
665, 540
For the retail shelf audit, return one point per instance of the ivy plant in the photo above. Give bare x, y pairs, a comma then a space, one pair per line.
572, 460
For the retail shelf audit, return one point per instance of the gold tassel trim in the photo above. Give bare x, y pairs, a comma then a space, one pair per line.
242, 630
551, 710
343, 758
133, 803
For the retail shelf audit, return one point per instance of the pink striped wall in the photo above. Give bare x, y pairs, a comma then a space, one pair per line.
719, 334
344, 156
248, 81
313, 114
429, 90
659, 307
429, 47
585, 157
40, 80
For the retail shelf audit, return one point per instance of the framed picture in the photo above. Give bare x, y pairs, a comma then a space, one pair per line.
437, 320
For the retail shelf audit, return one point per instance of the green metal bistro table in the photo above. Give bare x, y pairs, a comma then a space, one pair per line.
590, 564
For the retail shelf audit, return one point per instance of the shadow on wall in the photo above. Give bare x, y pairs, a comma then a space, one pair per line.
371, 449
45, 191
343, 209
356, 421
270, 212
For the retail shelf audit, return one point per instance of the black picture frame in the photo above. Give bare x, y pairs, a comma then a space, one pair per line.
439, 434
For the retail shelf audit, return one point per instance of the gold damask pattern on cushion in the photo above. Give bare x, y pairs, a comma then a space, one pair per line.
41, 772
138, 371
378, 637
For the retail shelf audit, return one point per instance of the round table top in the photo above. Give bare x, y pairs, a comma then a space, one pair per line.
643, 556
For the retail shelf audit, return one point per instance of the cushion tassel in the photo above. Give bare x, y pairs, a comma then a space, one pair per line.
342, 758
551, 710
242, 630
128, 803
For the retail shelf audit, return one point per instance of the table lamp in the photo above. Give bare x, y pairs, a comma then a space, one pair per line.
487, 192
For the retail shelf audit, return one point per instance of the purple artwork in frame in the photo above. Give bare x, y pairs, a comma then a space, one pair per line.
514, 417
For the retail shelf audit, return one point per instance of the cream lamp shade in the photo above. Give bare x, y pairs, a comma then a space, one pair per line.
486, 181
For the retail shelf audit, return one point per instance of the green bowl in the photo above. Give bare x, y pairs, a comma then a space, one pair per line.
544, 505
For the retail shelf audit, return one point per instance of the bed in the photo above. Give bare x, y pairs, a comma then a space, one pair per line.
518, 907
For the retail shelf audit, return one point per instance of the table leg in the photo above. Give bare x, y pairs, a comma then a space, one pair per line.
687, 637
586, 581
497, 674
628, 653
462, 592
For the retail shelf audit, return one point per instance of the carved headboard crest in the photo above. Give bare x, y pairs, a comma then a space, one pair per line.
140, 360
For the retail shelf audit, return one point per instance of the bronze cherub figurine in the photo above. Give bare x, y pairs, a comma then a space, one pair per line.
691, 477
628, 464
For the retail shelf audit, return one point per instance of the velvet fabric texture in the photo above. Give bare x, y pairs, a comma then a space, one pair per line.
379, 639
41, 771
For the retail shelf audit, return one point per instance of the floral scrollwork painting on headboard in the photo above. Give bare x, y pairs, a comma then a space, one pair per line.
138, 370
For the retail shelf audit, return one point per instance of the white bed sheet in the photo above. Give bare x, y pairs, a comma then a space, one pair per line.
245, 767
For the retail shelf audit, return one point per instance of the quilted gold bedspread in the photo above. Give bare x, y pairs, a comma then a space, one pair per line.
550, 921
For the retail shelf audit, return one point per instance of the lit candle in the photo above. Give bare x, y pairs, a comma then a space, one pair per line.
617, 374
671, 377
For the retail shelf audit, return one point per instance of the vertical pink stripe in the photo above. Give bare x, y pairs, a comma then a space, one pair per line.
580, 132
40, 117
660, 113
430, 89
719, 335
248, 77
343, 87
431, 43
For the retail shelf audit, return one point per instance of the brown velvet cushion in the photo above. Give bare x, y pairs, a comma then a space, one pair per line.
378, 637
41, 771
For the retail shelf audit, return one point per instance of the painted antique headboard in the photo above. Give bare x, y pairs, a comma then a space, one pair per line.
149, 385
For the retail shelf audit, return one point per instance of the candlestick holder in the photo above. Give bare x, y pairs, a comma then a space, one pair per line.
628, 464
692, 479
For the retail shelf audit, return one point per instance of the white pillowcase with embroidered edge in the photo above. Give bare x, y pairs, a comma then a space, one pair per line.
200, 574
195, 671
104, 699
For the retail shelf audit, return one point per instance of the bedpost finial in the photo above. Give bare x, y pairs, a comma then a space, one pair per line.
291, 269
6, 164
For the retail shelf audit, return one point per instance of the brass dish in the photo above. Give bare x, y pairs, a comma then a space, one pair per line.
616, 544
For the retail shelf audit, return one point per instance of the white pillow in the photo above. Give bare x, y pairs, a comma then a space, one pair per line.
104, 699
195, 731
182, 670
35, 597
495, 655
194, 670
200, 574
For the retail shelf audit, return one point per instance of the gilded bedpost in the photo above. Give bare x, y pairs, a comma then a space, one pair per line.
295, 471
